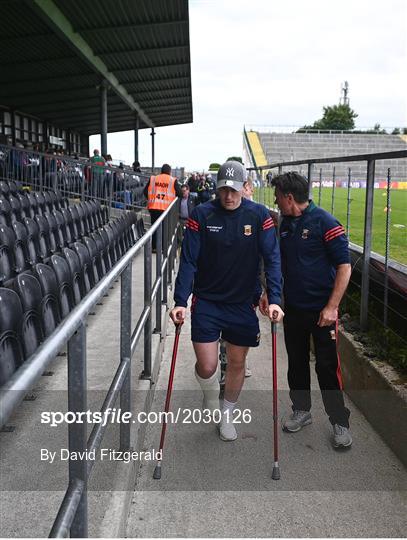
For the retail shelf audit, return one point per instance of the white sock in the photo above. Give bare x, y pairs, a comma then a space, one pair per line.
228, 406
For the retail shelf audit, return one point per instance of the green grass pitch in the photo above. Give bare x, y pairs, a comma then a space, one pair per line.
398, 216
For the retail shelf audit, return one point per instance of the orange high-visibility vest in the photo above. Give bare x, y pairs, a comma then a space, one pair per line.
161, 192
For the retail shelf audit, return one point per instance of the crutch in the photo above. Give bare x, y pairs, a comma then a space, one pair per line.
275, 475
157, 470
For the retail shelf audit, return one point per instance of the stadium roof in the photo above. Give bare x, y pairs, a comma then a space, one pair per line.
54, 54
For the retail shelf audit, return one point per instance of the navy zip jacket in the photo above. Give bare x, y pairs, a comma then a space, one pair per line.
221, 253
312, 246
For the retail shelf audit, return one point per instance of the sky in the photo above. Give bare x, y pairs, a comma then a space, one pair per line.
276, 63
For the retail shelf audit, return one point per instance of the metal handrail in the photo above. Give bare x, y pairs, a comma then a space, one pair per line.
72, 515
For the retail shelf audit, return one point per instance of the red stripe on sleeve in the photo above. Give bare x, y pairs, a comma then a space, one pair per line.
333, 231
268, 225
192, 224
335, 235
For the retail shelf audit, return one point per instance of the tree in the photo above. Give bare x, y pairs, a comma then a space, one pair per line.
337, 117
234, 158
396, 131
214, 166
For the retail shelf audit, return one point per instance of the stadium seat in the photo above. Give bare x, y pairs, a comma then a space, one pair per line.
61, 228
140, 227
99, 213
54, 201
84, 217
15, 206
4, 188
7, 262
116, 246
66, 214
44, 239
106, 244
33, 243
112, 248
63, 275
11, 352
30, 294
52, 232
81, 220
5, 211
91, 220
86, 266
21, 257
48, 201
75, 227
13, 187
95, 258
100, 245
40, 202
25, 205
73, 261
33, 204
49, 308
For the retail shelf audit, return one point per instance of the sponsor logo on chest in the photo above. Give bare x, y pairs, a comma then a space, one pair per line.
214, 228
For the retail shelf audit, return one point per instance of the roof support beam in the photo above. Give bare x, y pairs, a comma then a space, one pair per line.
134, 26
92, 112
56, 19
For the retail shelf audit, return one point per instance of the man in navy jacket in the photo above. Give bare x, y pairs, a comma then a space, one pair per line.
316, 271
225, 239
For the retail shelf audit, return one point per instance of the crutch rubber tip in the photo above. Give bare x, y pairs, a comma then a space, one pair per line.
275, 475
157, 472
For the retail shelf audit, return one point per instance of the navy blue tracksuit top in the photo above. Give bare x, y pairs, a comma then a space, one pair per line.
221, 253
312, 246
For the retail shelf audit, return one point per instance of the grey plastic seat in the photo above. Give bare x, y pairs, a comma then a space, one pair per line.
11, 351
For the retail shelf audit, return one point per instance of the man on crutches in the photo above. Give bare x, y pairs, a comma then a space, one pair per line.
225, 240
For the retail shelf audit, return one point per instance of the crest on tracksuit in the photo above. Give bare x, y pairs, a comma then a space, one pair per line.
247, 230
305, 233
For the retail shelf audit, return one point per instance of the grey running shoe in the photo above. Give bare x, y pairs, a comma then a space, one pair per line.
342, 437
297, 420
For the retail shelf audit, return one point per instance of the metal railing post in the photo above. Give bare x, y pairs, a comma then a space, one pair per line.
40, 172
320, 187
333, 190
310, 167
387, 250
367, 245
125, 352
77, 432
348, 201
165, 252
55, 173
158, 274
147, 305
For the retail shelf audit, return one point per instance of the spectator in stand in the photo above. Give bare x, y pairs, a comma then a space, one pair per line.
204, 190
211, 184
187, 204
193, 183
136, 167
98, 163
160, 191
